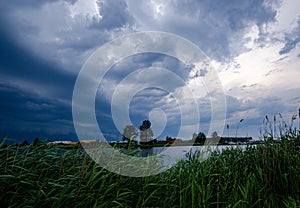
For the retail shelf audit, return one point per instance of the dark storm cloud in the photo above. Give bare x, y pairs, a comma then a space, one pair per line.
35, 95
38, 91
28, 3
26, 115
67, 33
19, 64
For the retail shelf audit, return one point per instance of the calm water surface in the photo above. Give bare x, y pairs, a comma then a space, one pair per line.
171, 155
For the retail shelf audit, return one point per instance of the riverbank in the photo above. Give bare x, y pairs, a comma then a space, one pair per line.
258, 176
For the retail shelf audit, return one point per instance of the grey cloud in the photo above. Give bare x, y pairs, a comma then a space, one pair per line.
291, 39
271, 105
216, 26
51, 31
35, 95
88, 33
114, 15
26, 115
30, 3
20, 63
289, 45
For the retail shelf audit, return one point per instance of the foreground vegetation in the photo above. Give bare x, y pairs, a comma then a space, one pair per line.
258, 176
262, 176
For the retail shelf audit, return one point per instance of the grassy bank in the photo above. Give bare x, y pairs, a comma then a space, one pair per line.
261, 176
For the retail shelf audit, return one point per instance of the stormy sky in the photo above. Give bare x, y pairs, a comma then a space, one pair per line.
252, 45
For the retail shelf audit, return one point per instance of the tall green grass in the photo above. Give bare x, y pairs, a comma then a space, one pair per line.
259, 176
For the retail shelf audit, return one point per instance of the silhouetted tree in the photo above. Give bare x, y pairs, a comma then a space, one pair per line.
36, 142
130, 133
146, 133
214, 134
146, 125
194, 137
170, 139
200, 138
25, 143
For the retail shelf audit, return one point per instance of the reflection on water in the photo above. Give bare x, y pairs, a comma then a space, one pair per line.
171, 155
168, 156
145, 152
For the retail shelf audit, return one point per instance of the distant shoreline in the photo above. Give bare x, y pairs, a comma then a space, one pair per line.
150, 144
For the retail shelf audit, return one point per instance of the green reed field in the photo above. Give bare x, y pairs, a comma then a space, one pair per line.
259, 176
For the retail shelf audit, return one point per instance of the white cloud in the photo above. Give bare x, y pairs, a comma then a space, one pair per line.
287, 16
265, 81
263, 67
88, 8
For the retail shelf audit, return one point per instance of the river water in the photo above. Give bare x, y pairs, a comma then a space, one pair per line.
172, 154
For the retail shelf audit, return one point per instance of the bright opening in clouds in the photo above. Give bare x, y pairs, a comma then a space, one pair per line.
253, 46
